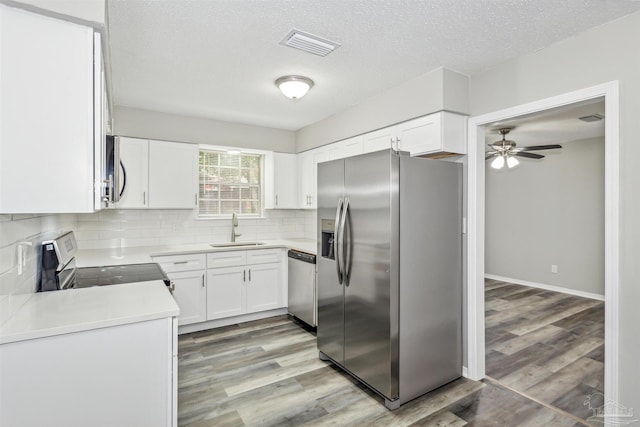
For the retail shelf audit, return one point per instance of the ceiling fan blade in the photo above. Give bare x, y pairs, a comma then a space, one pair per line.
491, 154
529, 155
540, 147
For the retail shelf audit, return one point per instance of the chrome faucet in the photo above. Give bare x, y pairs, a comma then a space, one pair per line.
234, 224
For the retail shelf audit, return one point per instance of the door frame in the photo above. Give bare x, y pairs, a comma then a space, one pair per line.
476, 225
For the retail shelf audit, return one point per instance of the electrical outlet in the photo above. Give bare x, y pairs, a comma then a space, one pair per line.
554, 268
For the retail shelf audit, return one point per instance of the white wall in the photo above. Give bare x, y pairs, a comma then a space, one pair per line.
126, 228
434, 91
549, 211
605, 53
170, 127
15, 288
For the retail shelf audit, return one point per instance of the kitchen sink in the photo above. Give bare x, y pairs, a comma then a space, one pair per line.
235, 244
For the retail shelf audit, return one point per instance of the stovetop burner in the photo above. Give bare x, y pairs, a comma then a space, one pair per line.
59, 269
118, 274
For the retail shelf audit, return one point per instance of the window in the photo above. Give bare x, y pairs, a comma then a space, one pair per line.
229, 183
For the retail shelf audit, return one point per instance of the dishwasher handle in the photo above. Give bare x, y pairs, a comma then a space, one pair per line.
302, 256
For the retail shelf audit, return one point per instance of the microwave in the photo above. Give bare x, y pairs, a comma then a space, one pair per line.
115, 175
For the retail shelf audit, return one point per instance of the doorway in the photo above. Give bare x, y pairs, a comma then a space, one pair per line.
544, 256
475, 321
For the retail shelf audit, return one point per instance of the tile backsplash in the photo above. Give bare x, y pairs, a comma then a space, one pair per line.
126, 228
14, 230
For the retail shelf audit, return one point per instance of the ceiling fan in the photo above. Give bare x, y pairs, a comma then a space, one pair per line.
505, 151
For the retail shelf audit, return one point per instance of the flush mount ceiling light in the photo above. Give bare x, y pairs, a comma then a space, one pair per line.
294, 87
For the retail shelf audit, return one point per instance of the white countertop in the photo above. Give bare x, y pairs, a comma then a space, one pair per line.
53, 313
142, 254
74, 310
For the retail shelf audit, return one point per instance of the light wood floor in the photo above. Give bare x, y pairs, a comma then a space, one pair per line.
548, 345
267, 373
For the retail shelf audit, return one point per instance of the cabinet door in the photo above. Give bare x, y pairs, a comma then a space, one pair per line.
318, 157
264, 287
47, 114
173, 175
225, 292
190, 294
306, 178
134, 159
285, 182
421, 135
346, 148
128, 367
379, 140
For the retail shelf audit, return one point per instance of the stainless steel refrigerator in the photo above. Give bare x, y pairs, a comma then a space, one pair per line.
389, 271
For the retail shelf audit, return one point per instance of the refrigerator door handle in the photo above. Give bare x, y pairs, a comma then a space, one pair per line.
344, 243
336, 240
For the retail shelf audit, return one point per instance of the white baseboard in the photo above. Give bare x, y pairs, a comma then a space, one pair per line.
465, 372
546, 287
195, 327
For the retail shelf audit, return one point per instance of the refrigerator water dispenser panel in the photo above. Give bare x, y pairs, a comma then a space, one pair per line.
328, 228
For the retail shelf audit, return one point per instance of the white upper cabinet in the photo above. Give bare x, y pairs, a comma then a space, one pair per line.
345, 148
157, 174
306, 181
173, 175
381, 139
281, 181
441, 132
47, 110
134, 170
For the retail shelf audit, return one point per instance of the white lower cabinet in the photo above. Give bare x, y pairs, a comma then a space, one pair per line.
190, 294
114, 376
225, 292
235, 283
187, 273
263, 288
243, 282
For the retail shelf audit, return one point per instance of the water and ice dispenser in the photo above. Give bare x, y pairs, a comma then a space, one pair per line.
328, 231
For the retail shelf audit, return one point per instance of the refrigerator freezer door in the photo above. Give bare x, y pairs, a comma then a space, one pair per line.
371, 186
330, 290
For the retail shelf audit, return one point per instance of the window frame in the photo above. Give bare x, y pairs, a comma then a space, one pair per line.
238, 151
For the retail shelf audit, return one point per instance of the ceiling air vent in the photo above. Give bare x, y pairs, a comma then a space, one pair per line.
309, 43
592, 118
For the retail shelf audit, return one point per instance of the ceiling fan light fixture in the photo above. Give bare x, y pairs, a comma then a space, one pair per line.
294, 87
498, 162
512, 162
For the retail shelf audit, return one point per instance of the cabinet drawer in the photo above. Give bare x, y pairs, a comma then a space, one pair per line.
175, 263
263, 256
226, 259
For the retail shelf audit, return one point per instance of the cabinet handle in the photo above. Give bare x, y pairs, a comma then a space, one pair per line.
249, 274
276, 200
244, 275
144, 197
203, 280
196, 199
181, 262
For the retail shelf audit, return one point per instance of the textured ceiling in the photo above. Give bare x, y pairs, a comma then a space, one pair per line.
219, 58
554, 126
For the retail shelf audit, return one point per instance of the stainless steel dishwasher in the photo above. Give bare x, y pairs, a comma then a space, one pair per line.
302, 287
